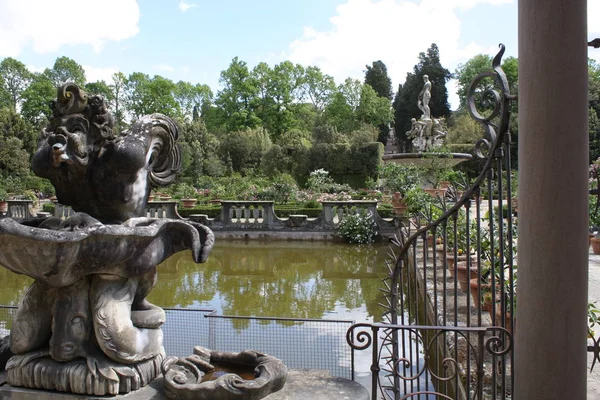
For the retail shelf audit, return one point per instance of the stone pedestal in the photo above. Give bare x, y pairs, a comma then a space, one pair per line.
301, 385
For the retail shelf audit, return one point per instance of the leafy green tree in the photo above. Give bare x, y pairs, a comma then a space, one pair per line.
191, 97
64, 70
465, 73
12, 125
200, 151
15, 79
318, 88
405, 102
145, 95
14, 160
245, 149
339, 113
373, 109
37, 98
377, 77
238, 97
117, 86
101, 88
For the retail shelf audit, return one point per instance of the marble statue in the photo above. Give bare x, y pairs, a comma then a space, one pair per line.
427, 133
424, 97
85, 326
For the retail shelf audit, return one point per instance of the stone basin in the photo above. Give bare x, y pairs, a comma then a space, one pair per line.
209, 374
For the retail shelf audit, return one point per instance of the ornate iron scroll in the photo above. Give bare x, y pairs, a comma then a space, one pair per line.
423, 293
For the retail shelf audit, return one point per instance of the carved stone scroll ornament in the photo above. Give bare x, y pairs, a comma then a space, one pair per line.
205, 376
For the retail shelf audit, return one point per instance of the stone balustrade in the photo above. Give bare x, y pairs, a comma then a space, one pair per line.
239, 215
20, 209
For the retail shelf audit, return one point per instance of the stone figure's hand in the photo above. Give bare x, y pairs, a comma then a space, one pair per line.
78, 221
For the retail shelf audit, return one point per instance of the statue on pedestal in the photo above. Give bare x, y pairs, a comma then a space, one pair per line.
427, 132
84, 326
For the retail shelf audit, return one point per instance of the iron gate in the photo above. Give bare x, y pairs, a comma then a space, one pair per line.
438, 341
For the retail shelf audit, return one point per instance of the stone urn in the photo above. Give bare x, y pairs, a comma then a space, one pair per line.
595, 242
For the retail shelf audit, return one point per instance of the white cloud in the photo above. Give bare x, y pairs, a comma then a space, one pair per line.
164, 67
592, 14
183, 6
389, 30
46, 26
93, 74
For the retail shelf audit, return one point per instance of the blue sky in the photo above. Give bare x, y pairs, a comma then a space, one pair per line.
194, 40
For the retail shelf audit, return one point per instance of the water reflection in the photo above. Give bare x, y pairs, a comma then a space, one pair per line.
278, 279
270, 279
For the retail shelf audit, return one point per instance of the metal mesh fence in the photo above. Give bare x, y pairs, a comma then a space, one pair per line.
7, 314
300, 343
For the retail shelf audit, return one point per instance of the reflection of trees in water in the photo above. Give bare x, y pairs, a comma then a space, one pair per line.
13, 286
295, 280
181, 282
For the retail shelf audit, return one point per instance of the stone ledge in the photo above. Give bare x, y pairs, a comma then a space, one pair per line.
301, 385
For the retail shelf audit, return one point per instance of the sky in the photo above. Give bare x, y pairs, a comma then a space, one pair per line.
194, 40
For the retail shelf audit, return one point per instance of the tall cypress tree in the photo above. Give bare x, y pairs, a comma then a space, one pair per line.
377, 77
405, 103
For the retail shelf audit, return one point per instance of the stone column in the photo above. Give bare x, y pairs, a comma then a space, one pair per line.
550, 348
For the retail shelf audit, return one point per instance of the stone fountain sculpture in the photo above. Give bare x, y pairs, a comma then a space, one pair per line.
427, 132
84, 326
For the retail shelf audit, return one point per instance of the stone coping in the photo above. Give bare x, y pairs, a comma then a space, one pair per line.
302, 384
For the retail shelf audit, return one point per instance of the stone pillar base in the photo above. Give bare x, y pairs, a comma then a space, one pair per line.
97, 377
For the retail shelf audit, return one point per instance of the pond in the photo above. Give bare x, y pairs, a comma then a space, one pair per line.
291, 279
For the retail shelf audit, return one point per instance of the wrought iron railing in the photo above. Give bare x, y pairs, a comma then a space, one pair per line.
432, 323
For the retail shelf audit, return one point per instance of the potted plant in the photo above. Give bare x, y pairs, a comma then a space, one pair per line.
399, 179
187, 194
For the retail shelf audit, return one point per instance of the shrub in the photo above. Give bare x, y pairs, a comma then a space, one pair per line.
359, 228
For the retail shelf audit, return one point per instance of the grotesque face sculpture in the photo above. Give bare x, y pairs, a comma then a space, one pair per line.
113, 174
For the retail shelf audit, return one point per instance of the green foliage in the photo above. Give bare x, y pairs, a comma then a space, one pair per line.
377, 77
359, 228
594, 212
49, 208
184, 190
593, 318
245, 149
399, 178
64, 70
37, 98
14, 161
418, 201
15, 78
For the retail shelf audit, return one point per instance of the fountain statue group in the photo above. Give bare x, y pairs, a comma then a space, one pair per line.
84, 325
427, 132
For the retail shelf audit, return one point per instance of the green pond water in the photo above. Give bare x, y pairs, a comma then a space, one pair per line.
276, 279
300, 280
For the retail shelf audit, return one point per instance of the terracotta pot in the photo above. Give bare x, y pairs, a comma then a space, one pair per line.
475, 287
188, 203
438, 242
590, 236
3, 206
450, 261
444, 184
436, 192
464, 275
507, 322
595, 245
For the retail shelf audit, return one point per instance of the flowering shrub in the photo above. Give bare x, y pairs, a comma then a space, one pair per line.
359, 228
